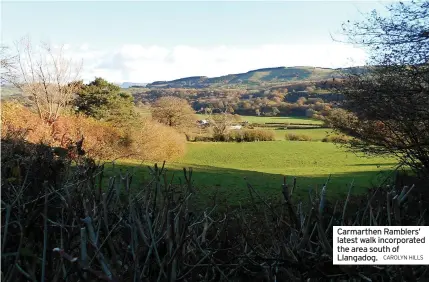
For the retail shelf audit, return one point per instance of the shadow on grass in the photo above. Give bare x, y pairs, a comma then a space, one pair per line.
231, 184
375, 164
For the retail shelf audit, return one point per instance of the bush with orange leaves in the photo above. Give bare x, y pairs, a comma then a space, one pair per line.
20, 122
145, 139
153, 141
101, 140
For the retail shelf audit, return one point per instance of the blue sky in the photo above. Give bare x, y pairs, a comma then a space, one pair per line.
147, 41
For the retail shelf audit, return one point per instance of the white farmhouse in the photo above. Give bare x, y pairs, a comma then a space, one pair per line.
235, 127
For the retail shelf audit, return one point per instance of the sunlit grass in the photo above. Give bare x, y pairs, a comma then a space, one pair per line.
225, 166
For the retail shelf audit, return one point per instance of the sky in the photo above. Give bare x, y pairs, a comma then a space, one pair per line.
142, 41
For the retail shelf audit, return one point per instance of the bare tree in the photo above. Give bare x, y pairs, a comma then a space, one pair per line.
46, 75
6, 60
6, 63
220, 120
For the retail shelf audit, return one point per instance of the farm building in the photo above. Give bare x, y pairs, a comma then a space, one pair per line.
235, 127
203, 122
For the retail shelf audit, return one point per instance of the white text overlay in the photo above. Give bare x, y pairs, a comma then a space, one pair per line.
381, 245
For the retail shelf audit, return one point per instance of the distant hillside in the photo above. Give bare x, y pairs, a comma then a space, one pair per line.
131, 84
9, 90
255, 78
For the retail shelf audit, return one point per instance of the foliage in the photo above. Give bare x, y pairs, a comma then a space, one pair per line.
200, 138
19, 121
241, 135
220, 124
274, 101
101, 140
150, 140
275, 111
389, 106
105, 101
297, 137
250, 135
174, 112
336, 139
52, 231
143, 139
274, 120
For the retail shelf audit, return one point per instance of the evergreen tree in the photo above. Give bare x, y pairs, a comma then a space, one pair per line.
105, 101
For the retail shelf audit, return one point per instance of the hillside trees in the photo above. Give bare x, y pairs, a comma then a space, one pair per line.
104, 101
43, 73
275, 111
388, 107
174, 112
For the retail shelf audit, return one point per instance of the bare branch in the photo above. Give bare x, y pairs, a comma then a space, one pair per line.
45, 74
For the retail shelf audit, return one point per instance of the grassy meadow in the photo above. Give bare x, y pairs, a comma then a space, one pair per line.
225, 167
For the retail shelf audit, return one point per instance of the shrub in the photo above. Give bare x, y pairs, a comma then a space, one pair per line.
199, 137
221, 137
202, 138
297, 137
155, 142
250, 135
145, 139
20, 122
336, 139
259, 135
101, 139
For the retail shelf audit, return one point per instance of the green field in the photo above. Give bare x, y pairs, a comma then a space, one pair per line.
224, 166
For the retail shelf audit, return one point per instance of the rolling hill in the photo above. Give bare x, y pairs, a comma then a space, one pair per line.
256, 78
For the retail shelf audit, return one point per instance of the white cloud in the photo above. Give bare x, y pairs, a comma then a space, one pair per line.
138, 63
84, 47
